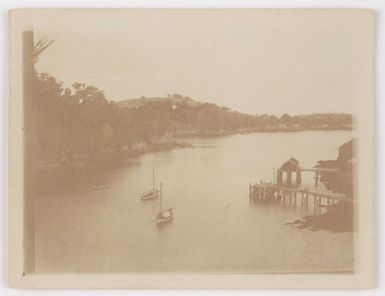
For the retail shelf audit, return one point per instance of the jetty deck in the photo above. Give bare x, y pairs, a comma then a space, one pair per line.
271, 191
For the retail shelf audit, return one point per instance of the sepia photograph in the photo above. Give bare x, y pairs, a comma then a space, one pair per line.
187, 148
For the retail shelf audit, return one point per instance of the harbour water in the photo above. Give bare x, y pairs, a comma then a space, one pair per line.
80, 229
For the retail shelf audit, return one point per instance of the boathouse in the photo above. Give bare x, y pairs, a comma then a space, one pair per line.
289, 168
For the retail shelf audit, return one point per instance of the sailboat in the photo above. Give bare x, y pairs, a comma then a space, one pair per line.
163, 215
152, 194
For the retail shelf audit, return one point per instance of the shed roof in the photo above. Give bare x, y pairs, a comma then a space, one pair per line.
290, 166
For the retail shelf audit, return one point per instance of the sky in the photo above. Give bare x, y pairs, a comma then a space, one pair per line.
253, 61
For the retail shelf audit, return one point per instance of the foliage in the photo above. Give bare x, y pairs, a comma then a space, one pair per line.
342, 181
79, 123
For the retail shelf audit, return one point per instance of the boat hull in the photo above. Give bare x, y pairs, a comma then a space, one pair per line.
101, 187
163, 220
149, 195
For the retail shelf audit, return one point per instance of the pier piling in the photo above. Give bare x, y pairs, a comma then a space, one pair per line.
267, 191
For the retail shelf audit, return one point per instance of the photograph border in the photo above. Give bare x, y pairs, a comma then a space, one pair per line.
363, 277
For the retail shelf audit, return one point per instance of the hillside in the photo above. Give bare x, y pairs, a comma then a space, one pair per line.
183, 116
81, 124
173, 99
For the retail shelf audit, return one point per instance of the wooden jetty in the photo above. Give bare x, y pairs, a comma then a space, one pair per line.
269, 191
281, 189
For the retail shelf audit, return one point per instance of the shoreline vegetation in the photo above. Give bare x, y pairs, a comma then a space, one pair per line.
80, 125
108, 158
338, 217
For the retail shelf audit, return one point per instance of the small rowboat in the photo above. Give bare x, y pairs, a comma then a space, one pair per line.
102, 186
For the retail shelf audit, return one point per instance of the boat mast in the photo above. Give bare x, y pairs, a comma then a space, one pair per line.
160, 196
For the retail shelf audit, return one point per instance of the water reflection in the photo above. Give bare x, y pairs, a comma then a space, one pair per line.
289, 202
163, 226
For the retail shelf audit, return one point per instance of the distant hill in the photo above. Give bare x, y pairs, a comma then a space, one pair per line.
182, 115
82, 125
174, 99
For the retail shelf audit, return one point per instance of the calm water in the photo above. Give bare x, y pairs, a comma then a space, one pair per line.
215, 229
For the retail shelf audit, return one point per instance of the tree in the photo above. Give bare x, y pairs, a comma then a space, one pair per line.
286, 119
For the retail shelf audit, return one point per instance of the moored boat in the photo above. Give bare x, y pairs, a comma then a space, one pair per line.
166, 215
149, 195
152, 194
102, 186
